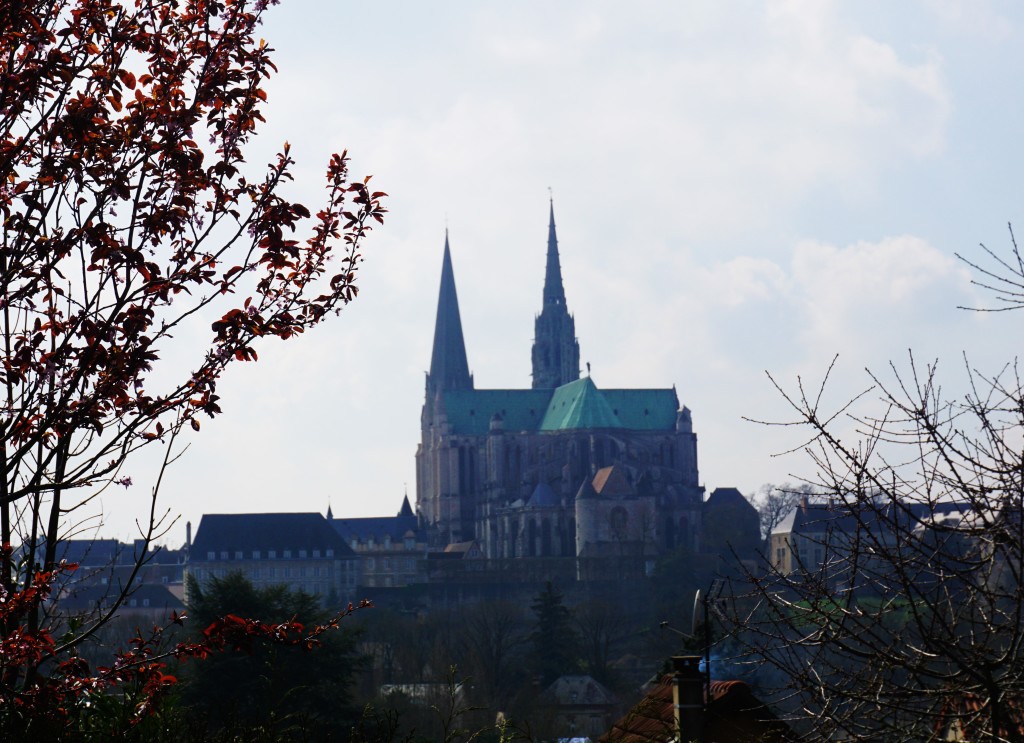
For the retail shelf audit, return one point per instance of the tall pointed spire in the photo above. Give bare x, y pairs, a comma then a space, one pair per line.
556, 353
554, 293
449, 369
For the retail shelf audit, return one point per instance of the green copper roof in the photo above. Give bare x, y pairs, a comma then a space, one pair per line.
470, 411
579, 405
644, 410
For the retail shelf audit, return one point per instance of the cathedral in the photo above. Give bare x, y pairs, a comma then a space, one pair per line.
564, 469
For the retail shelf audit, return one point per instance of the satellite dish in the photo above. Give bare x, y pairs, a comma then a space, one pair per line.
696, 614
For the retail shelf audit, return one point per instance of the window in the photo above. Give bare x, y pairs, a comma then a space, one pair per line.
330, 553
211, 555
369, 563
316, 553
287, 554
387, 564
145, 602
302, 553
223, 554
272, 554
238, 554
255, 554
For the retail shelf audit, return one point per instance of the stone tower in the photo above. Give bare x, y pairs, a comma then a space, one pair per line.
556, 352
439, 500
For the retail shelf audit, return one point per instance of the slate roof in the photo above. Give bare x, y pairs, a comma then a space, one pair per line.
377, 527
85, 598
821, 517
574, 406
543, 497
246, 532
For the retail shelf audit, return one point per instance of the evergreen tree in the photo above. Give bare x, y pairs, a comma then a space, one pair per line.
285, 691
554, 640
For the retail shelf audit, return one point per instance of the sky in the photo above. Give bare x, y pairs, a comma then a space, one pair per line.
739, 188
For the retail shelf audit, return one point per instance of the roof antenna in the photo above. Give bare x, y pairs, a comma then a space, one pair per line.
588, 368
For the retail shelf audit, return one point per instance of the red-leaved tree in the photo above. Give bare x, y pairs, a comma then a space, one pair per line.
129, 212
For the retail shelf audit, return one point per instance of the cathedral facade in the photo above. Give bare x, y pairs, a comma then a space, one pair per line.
563, 469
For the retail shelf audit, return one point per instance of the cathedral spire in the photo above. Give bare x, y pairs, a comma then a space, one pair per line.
449, 369
556, 353
554, 293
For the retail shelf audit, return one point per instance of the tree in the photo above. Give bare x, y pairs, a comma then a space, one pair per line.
553, 638
494, 635
128, 213
775, 502
900, 613
267, 686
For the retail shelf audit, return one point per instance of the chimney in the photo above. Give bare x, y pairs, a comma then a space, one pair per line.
688, 698
188, 537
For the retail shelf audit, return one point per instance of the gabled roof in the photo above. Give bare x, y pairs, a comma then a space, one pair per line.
579, 405
244, 532
579, 690
733, 714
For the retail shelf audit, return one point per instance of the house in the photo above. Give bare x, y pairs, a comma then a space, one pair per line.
678, 709
579, 706
299, 550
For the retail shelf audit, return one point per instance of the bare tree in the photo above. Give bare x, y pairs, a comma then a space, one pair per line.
893, 609
775, 502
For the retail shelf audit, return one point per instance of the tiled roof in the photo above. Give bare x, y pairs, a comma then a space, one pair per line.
612, 482
245, 532
733, 714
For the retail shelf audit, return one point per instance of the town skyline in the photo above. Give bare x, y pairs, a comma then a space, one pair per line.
734, 191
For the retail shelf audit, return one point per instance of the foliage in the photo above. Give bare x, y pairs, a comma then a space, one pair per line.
276, 686
129, 219
63, 698
119, 226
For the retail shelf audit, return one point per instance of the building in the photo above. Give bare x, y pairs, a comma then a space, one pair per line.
299, 550
392, 549
563, 469
146, 580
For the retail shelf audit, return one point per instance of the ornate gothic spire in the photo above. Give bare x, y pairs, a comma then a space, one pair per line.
554, 293
556, 353
449, 369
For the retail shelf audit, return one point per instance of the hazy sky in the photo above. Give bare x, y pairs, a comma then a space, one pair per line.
738, 187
